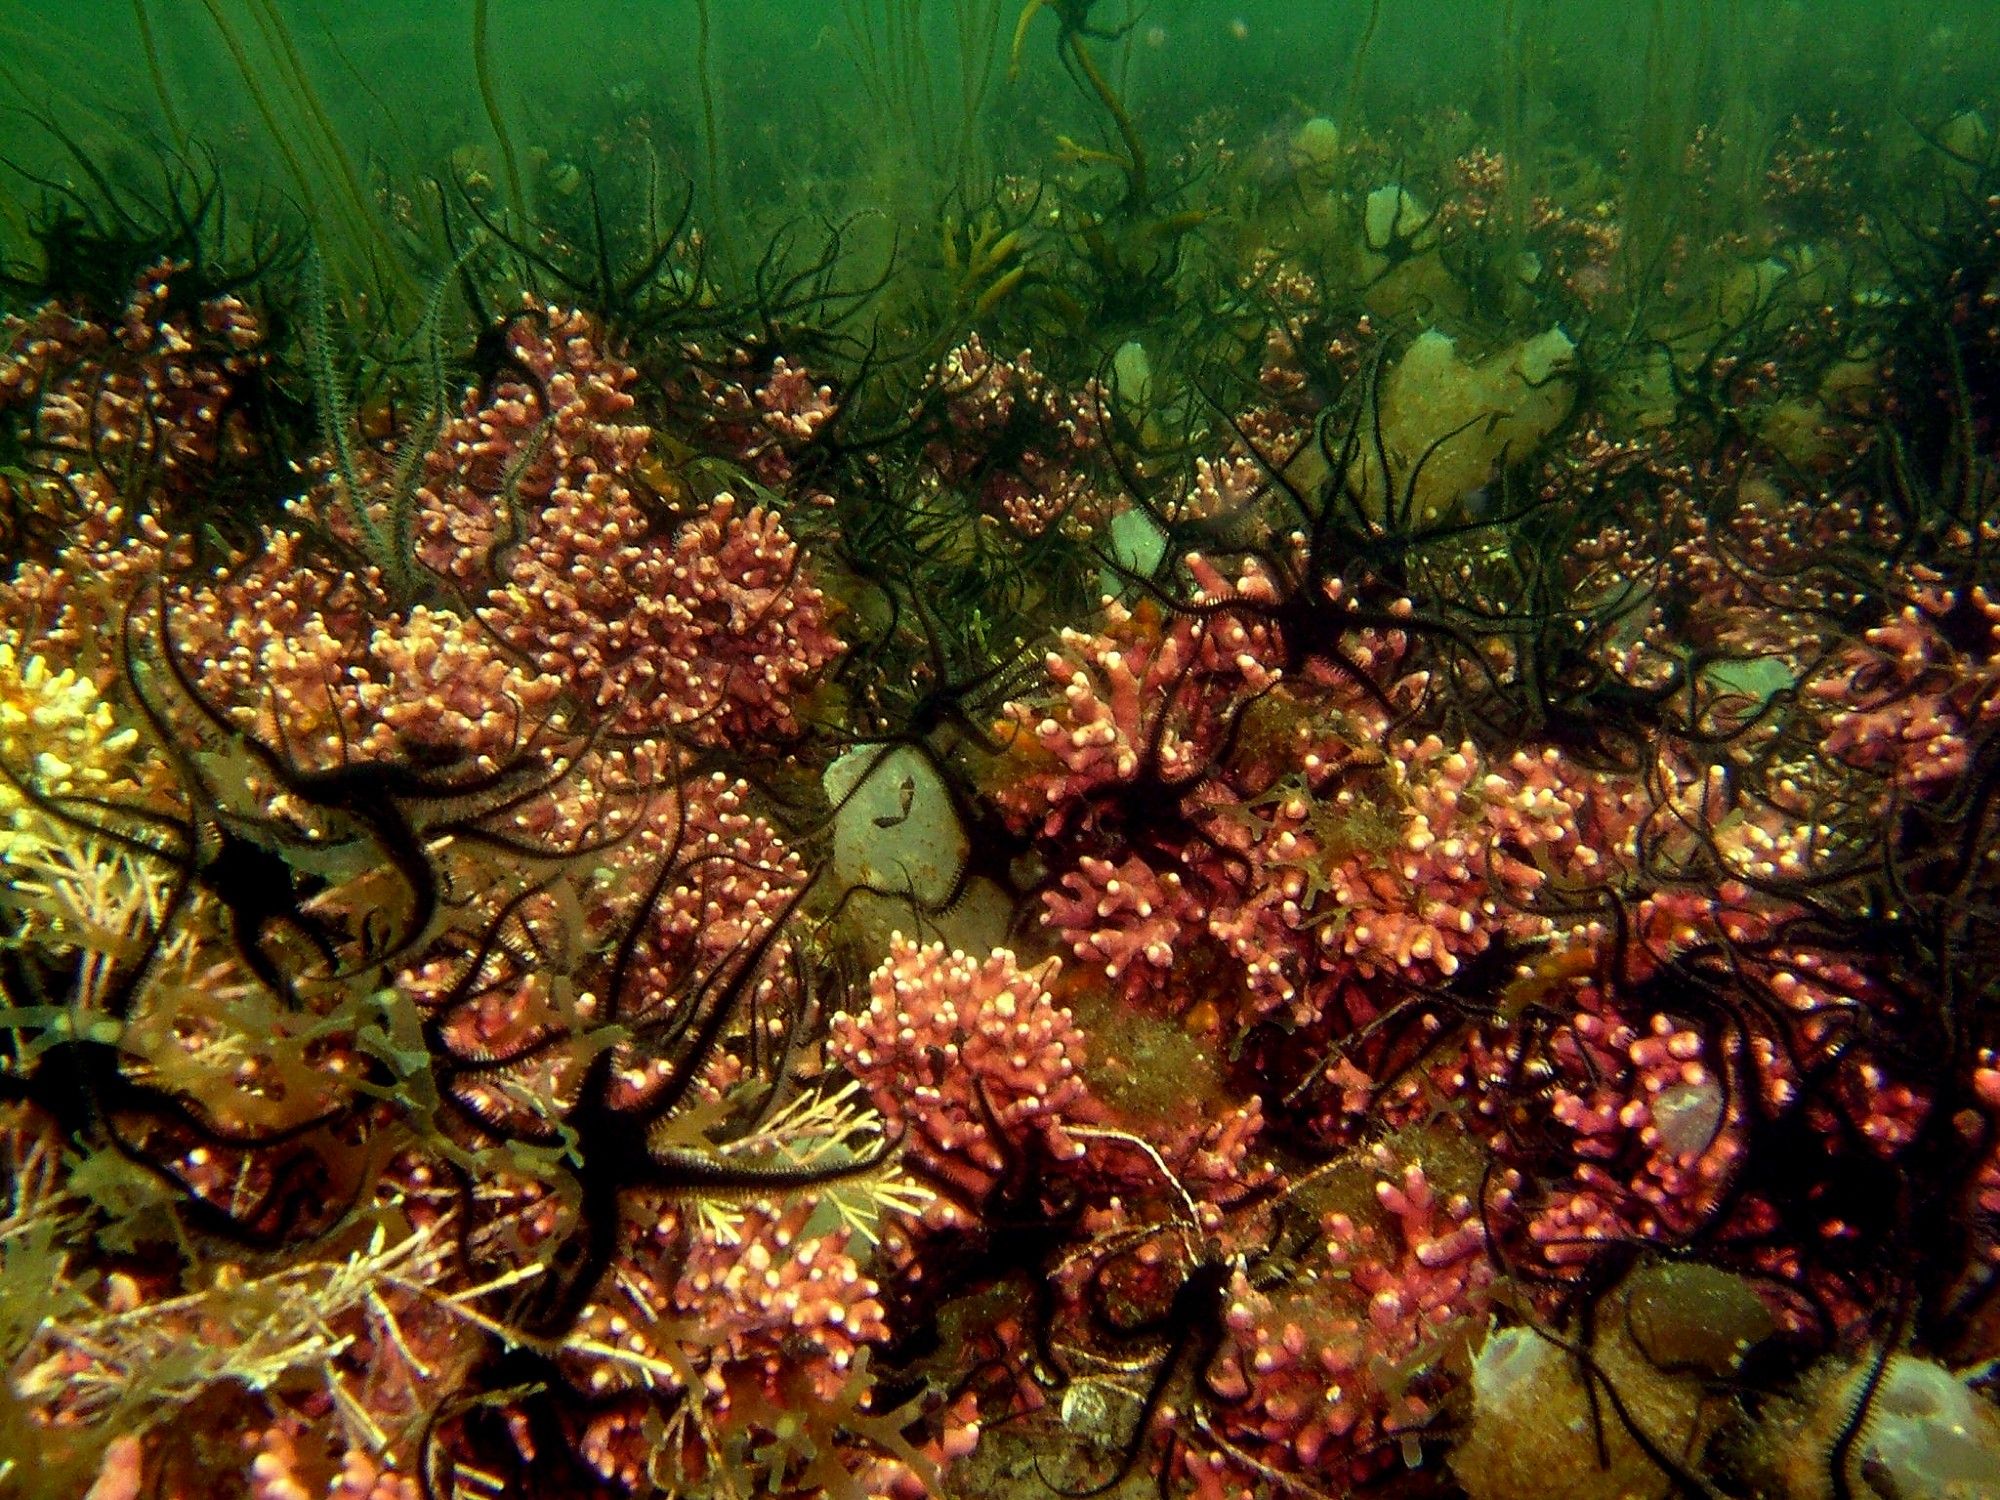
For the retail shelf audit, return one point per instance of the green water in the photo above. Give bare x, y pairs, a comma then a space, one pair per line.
883, 107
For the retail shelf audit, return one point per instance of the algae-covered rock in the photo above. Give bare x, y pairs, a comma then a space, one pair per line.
1538, 1432
1448, 424
1533, 1436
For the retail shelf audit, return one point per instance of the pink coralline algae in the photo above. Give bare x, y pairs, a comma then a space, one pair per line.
758, 1321
1126, 918
1910, 702
1143, 698
1656, 1150
708, 628
1144, 708
1985, 1192
1253, 810
1328, 1379
153, 394
1322, 1379
723, 878
970, 1058
123, 427
396, 745
276, 1474
1476, 843
1026, 439
312, 658
763, 419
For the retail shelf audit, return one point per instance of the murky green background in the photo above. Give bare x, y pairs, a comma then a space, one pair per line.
862, 105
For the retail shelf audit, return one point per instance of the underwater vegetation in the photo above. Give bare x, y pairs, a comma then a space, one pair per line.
1023, 774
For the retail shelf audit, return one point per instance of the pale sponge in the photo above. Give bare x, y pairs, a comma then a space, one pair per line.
1926, 1434
899, 855
894, 826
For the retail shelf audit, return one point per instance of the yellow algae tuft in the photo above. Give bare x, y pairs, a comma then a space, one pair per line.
58, 738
